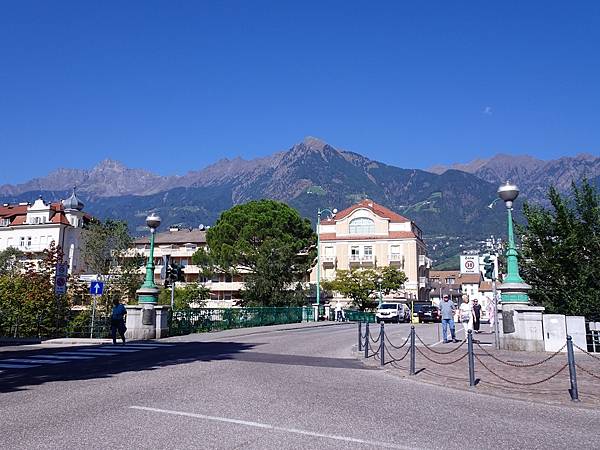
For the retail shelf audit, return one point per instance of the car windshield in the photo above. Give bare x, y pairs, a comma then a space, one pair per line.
388, 306
428, 308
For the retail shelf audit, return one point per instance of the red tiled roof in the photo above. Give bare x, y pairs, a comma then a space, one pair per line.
60, 218
470, 278
376, 208
12, 210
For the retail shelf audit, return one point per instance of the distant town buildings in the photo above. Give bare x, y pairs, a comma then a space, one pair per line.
179, 244
31, 228
369, 235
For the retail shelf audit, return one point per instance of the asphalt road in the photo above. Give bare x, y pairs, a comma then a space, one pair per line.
267, 388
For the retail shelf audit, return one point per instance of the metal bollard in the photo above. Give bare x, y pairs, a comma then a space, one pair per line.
412, 350
366, 339
471, 358
572, 371
359, 336
382, 345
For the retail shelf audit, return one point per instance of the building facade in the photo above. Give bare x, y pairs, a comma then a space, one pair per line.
369, 235
31, 228
180, 244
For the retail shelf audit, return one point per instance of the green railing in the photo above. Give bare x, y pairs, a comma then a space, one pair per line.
200, 320
353, 315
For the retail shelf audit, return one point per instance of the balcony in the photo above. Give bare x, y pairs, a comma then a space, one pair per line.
354, 259
424, 261
368, 259
423, 282
328, 260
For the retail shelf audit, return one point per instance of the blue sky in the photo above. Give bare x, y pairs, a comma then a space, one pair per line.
173, 86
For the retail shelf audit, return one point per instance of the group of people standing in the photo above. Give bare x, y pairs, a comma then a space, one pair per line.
468, 314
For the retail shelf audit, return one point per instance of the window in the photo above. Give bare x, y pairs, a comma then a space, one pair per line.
362, 225
28, 241
354, 253
227, 296
22, 242
216, 278
228, 278
450, 280
4, 222
368, 253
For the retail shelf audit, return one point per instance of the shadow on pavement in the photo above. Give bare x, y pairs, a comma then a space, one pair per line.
104, 366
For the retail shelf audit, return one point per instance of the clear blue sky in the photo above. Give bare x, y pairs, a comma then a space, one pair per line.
173, 86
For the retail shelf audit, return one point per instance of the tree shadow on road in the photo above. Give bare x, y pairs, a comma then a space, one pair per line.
104, 366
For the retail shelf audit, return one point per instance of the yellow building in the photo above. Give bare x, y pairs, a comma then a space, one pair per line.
369, 235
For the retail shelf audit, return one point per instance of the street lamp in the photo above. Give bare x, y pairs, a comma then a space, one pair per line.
514, 289
379, 281
148, 292
332, 213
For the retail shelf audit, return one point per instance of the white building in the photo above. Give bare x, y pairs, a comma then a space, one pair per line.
31, 228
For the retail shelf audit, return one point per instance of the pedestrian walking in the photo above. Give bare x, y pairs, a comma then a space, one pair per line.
447, 309
465, 314
476, 315
339, 314
117, 321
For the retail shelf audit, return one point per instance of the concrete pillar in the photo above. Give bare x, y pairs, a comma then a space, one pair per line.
521, 327
147, 321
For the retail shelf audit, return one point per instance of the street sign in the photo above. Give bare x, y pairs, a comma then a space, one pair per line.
469, 263
60, 279
60, 285
96, 287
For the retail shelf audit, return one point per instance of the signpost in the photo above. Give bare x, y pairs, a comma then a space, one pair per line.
96, 289
60, 279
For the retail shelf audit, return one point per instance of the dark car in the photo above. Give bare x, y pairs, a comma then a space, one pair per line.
430, 314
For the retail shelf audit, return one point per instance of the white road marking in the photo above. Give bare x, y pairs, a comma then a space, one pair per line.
111, 350
87, 354
273, 427
33, 360
64, 358
456, 331
17, 366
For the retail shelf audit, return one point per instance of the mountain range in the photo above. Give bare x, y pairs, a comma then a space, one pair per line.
443, 201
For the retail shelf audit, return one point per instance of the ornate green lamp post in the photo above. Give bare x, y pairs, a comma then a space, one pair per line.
148, 292
332, 213
514, 289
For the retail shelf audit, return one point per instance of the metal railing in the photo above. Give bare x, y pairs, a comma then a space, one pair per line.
353, 315
199, 320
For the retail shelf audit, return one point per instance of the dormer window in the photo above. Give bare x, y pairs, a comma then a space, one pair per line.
4, 222
362, 225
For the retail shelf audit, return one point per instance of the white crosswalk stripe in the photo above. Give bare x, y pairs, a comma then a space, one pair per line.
17, 366
87, 353
33, 360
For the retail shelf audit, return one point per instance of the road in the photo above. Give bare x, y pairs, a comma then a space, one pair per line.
267, 388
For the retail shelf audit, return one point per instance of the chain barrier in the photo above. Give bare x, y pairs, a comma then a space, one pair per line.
393, 359
394, 346
583, 369
585, 351
519, 383
445, 363
538, 363
376, 352
436, 351
374, 341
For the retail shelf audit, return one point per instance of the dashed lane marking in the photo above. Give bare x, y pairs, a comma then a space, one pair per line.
274, 428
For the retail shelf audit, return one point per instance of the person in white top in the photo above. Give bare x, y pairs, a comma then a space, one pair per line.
339, 317
465, 314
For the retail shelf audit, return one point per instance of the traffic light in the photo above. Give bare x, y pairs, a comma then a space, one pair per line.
489, 268
179, 273
168, 275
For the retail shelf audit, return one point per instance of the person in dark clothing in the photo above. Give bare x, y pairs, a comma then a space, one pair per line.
476, 316
117, 321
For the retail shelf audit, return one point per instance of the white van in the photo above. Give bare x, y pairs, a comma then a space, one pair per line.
393, 312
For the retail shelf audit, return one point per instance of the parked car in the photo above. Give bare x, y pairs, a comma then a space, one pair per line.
430, 314
393, 312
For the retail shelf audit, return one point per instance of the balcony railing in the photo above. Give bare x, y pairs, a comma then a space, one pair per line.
368, 258
328, 259
395, 257
355, 258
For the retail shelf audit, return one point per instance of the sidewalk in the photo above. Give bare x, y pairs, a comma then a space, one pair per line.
546, 381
